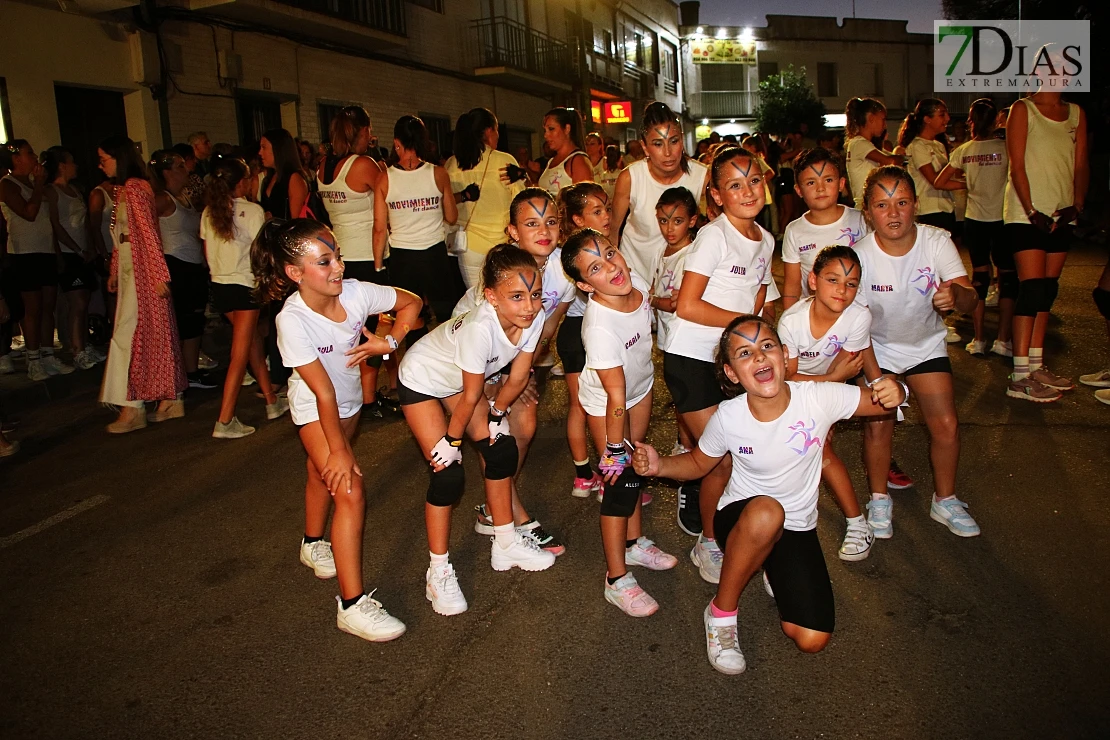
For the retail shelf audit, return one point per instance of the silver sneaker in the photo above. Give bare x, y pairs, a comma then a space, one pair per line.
234, 429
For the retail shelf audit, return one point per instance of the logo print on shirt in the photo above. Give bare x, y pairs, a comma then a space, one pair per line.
834, 345
667, 279
931, 282
806, 433
550, 300
762, 268
458, 323
853, 236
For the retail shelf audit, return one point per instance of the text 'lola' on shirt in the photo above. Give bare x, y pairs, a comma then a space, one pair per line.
804, 240
905, 329
779, 458
304, 336
850, 332
736, 267
557, 288
616, 339
473, 342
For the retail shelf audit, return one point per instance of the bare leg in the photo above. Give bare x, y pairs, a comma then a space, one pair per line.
78, 319
748, 545
31, 323
936, 399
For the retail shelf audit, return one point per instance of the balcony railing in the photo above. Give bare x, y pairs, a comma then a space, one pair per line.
503, 42
381, 15
727, 104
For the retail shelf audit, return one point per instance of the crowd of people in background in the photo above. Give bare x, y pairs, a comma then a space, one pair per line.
363, 281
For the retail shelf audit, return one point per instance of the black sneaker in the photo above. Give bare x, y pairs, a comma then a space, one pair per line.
689, 515
201, 379
388, 404
373, 409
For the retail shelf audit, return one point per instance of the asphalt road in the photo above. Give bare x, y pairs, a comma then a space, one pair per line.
151, 588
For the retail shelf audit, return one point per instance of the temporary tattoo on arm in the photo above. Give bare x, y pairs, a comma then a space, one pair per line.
618, 411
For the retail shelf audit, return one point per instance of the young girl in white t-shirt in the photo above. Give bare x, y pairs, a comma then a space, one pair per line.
318, 334
767, 517
824, 335
446, 372
726, 273
865, 119
615, 391
926, 157
912, 275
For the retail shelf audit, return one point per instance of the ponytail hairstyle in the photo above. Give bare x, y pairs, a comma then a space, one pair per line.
723, 156
572, 202
526, 195
835, 252
128, 162
892, 172
574, 245
981, 117
728, 388
52, 159
679, 196
569, 117
279, 244
161, 161
469, 141
219, 193
344, 129
9, 149
504, 260
613, 158
856, 113
287, 156
413, 135
915, 119
660, 114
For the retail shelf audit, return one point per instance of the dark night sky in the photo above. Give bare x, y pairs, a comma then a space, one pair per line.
920, 13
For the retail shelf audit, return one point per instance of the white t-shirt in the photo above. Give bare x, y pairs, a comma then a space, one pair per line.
230, 261
985, 166
668, 279
473, 342
557, 288
858, 166
804, 240
304, 336
851, 332
780, 458
921, 152
905, 329
736, 267
616, 339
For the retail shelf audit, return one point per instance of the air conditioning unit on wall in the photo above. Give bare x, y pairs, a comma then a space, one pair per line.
230, 65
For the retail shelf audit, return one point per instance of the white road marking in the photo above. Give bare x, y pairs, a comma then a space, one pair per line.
58, 518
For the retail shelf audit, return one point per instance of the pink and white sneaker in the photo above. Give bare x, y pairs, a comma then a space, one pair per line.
647, 554
627, 596
583, 487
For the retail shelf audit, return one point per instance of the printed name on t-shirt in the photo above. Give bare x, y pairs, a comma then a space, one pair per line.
744, 451
807, 247
882, 288
333, 196
325, 350
632, 341
809, 354
738, 270
415, 204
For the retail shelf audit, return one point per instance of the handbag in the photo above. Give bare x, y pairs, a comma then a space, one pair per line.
458, 246
314, 205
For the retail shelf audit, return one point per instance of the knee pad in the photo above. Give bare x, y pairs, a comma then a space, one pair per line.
1034, 296
1102, 301
621, 497
1008, 285
501, 458
447, 486
981, 280
1052, 289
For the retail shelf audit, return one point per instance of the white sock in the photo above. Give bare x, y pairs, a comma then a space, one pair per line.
32, 354
936, 498
504, 534
877, 496
1036, 358
1021, 368
438, 561
857, 520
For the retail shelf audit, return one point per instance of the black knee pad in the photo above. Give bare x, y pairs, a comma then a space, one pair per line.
1052, 289
1034, 296
981, 281
1102, 301
621, 497
1008, 285
501, 458
447, 486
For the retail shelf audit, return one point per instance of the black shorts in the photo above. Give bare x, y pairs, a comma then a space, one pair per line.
985, 244
693, 383
189, 289
428, 273
935, 365
228, 297
796, 570
946, 221
569, 343
77, 275
1022, 237
407, 396
33, 272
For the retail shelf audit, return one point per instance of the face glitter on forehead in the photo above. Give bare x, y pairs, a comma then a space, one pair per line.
847, 265
753, 337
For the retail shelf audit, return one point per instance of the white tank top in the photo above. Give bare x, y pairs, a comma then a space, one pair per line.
554, 179
106, 217
181, 233
351, 213
74, 217
642, 244
28, 237
415, 208
1049, 164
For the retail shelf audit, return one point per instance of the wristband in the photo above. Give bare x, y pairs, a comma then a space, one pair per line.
871, 383
391, 341
453, 441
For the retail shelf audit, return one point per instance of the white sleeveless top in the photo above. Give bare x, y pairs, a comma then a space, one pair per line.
642, 244
415, 208
351, 213
181, 233
554, 179
28, 237
106, 218
73, 216
1049, 164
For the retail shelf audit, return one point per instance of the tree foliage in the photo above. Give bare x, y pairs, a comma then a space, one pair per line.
786, 100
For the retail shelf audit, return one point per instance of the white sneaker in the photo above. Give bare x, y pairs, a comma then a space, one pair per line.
18, 344
977, 347
647, 554
1100, 379
318, 556
234, 429
96, 354
35, 371
557, 370
206, 363
767, 585
708, 558
54, 366
277, 408
627, 595
880, 517
991, 301
442, 589
84, 360
720, 644
857, 542
7, 367
369, 620
1002, 349
953, 336
678, 449
248, 379
524, 553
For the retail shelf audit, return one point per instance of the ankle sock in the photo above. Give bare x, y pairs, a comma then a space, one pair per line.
937, 499
438, 560
348, 603
309, 540
1021, 368
583, 469
855, 519
720, 613
33, 354
877, 496
610, 580
504, 534
1036, 358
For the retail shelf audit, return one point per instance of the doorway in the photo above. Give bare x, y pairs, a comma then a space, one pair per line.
257, 114
86, 117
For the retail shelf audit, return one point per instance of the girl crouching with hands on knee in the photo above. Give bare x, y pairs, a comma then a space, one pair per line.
318, 334
767, 516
